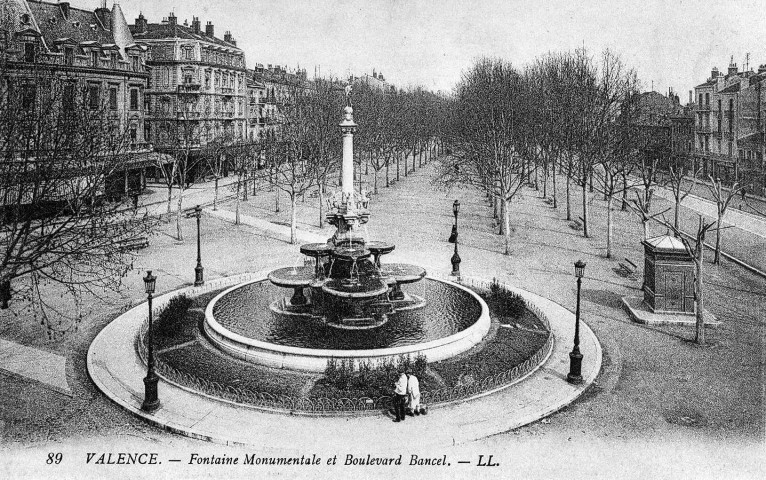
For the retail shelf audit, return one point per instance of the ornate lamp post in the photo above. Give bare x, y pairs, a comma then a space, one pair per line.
151, 400
575, 357
455, 257
198, 270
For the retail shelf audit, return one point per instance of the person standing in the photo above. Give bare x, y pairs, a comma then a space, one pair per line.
413, 394
400, 397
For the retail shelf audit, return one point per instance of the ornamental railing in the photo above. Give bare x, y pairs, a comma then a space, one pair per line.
341, 404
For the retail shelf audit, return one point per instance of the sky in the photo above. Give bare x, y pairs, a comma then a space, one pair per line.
430, 43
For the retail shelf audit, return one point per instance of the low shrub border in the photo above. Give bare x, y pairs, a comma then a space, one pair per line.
330, 405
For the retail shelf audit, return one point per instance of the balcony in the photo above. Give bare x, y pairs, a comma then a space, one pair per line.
703, 129
227, 91
181, 115
189, 88
702, 108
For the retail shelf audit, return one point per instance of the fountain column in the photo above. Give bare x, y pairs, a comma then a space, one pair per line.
348, 128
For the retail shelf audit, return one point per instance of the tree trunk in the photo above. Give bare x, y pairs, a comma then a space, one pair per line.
675, 214
569, 200
276, 201
244, 187
624, 192
699, 336
585, 210
170, 200
388, 183
179, 232
609, 226
374, 181
293, 220
236, 208
397, 167
321, 203
507, 225
555, 193
717, 257
215, 195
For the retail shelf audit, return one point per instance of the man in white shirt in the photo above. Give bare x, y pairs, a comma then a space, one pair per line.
400, 397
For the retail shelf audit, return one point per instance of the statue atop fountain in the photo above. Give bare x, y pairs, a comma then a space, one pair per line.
348, 289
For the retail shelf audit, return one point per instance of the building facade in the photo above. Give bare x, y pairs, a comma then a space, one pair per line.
729, 127
198, 87
666, 127
91, 57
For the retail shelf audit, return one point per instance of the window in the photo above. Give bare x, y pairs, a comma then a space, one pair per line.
28, 93
700, 99
707, 99
133, 134
134, 99
188, 53
94, 58
93, 94
113, 98
68, 100
29, 52
68, 56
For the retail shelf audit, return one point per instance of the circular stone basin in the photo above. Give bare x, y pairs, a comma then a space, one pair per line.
379, 248
240, 322
345, 253
292, 277
367, 287
403, 272
316, 249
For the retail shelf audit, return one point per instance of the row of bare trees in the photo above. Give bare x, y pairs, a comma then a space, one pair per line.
301, 153
568, 117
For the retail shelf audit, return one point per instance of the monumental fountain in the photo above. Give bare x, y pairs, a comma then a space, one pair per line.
345, 302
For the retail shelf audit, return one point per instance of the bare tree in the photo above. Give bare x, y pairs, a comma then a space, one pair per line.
59, 226
675, 180
697, 252
722, 197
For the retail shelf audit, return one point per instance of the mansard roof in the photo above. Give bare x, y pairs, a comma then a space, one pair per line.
159, 31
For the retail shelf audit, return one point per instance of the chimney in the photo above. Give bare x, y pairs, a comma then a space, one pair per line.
172, 20
714, 73
209, 30
195, 25
141, 24
104, 16
762, 68
64, 9
732, 67
227, 37
691, 97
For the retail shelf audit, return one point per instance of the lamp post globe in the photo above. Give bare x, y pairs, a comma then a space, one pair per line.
575, 357
151, 398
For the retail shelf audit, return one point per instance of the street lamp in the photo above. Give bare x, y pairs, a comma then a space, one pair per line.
575, 357
198, 270
455, 256
151, 400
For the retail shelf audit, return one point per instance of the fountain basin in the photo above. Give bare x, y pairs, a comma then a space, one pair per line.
315, 359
